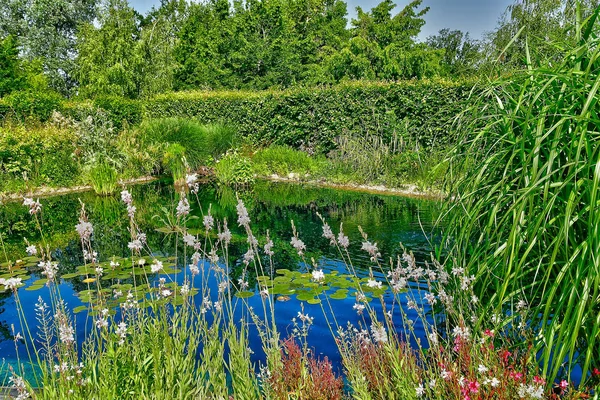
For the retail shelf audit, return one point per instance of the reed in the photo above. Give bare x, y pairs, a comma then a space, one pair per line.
526, 212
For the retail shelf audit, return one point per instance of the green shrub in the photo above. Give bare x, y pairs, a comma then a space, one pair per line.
120, 110
282, 160
175, 162
37, 156
234, 169
31, 105
421, 112
188, 134
103, 177
219, 138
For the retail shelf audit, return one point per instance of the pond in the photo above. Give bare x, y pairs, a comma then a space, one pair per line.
390, 221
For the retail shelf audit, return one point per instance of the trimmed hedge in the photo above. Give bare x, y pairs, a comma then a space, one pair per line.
420, 112
30, 105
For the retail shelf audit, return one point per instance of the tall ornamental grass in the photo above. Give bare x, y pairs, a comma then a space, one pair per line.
525, 219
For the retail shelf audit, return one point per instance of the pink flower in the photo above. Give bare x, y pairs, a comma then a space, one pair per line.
474, 387
539, 380
563, 385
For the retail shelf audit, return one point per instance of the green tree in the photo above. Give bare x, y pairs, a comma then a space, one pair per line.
544, 28
461, 54
47, 31
12, 74
108, 60
383, 46
155, 50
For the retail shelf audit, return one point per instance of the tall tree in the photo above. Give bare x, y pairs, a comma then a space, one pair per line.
384, 46
12, 75
461, 53
47, 30
544, 28
108, 61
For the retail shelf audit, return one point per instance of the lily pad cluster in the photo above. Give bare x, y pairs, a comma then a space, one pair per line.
18, 269
334, 285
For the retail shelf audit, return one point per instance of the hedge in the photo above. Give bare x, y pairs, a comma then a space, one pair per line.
421, 112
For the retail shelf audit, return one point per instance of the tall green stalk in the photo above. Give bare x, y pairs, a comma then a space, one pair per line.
526, 219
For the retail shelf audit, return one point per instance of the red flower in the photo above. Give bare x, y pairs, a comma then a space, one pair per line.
474, 386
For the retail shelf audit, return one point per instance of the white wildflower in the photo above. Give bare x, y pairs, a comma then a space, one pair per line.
183, 207
298, 245
84, 229
31, 250
208, 222
379, 334
243, 218
318, 275
156, 266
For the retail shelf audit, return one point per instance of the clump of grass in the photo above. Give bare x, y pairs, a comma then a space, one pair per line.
201, 142
283, 160
175, 162
103, 177
234, 169
525, 217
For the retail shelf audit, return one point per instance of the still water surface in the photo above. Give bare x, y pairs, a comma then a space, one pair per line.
389, 221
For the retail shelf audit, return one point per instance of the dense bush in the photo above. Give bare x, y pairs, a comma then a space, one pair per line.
120, 110
37, 157
30, 105
421, 112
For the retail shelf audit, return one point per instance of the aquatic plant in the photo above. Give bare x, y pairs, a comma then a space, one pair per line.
234, 169
103, 177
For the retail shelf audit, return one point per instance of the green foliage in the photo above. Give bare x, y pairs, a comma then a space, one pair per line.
313, 118
527, 209
188, 134
175, 162
540, 32
120, 111
461, 53
219, 138
96, 137
103, 177
47, 31
234, 169
35, 157
37, 106
283, 160
11, 73
106, 60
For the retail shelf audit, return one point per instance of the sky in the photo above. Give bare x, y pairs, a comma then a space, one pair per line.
473, 16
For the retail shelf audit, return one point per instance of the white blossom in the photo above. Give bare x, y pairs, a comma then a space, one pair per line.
183, 207
84, 229
243, 218
318, 275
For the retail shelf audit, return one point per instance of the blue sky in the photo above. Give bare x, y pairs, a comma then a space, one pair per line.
473, 16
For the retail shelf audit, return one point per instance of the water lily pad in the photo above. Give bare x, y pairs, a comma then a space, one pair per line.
339, 294
244, 294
